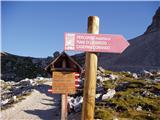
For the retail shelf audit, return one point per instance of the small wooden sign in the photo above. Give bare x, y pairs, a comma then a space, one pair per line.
63, 82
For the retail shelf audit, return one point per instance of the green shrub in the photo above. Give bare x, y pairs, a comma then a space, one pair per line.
104, 114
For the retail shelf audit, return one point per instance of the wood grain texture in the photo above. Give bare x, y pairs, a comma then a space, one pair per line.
64, 100
63, 82
90, 74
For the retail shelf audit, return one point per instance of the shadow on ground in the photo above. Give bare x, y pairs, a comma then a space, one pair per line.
43, 88
51, 113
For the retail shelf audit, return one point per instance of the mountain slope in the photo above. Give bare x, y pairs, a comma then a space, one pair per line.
143, 52
16, 68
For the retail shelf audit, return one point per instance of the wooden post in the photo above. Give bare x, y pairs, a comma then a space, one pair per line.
64, 100
89, 90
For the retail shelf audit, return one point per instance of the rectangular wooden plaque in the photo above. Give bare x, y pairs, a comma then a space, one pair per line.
63, 82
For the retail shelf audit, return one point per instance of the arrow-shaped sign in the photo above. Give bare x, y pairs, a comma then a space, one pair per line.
95, 42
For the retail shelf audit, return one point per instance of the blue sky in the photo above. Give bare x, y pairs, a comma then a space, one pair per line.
37, 29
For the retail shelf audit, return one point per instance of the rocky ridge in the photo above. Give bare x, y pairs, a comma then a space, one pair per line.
142, 54
155, 25
16, 68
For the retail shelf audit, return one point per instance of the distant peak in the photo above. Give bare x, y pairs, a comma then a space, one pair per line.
155, 25
158, 9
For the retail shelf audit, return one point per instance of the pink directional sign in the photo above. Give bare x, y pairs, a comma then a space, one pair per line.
95, 42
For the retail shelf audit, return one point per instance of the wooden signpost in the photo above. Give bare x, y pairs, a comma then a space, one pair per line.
91, 43
64, 69
64, 72
90, 75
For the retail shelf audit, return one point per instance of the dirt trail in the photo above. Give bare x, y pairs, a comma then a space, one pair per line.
40, 105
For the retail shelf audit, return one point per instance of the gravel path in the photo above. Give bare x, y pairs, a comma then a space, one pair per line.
40, 105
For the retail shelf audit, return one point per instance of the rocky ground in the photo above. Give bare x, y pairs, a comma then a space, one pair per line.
12, 92
130, 96
119, 96
123, 96
39, 105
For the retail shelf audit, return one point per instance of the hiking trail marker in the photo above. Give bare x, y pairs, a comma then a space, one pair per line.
65, 73
95, 42
91, 43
